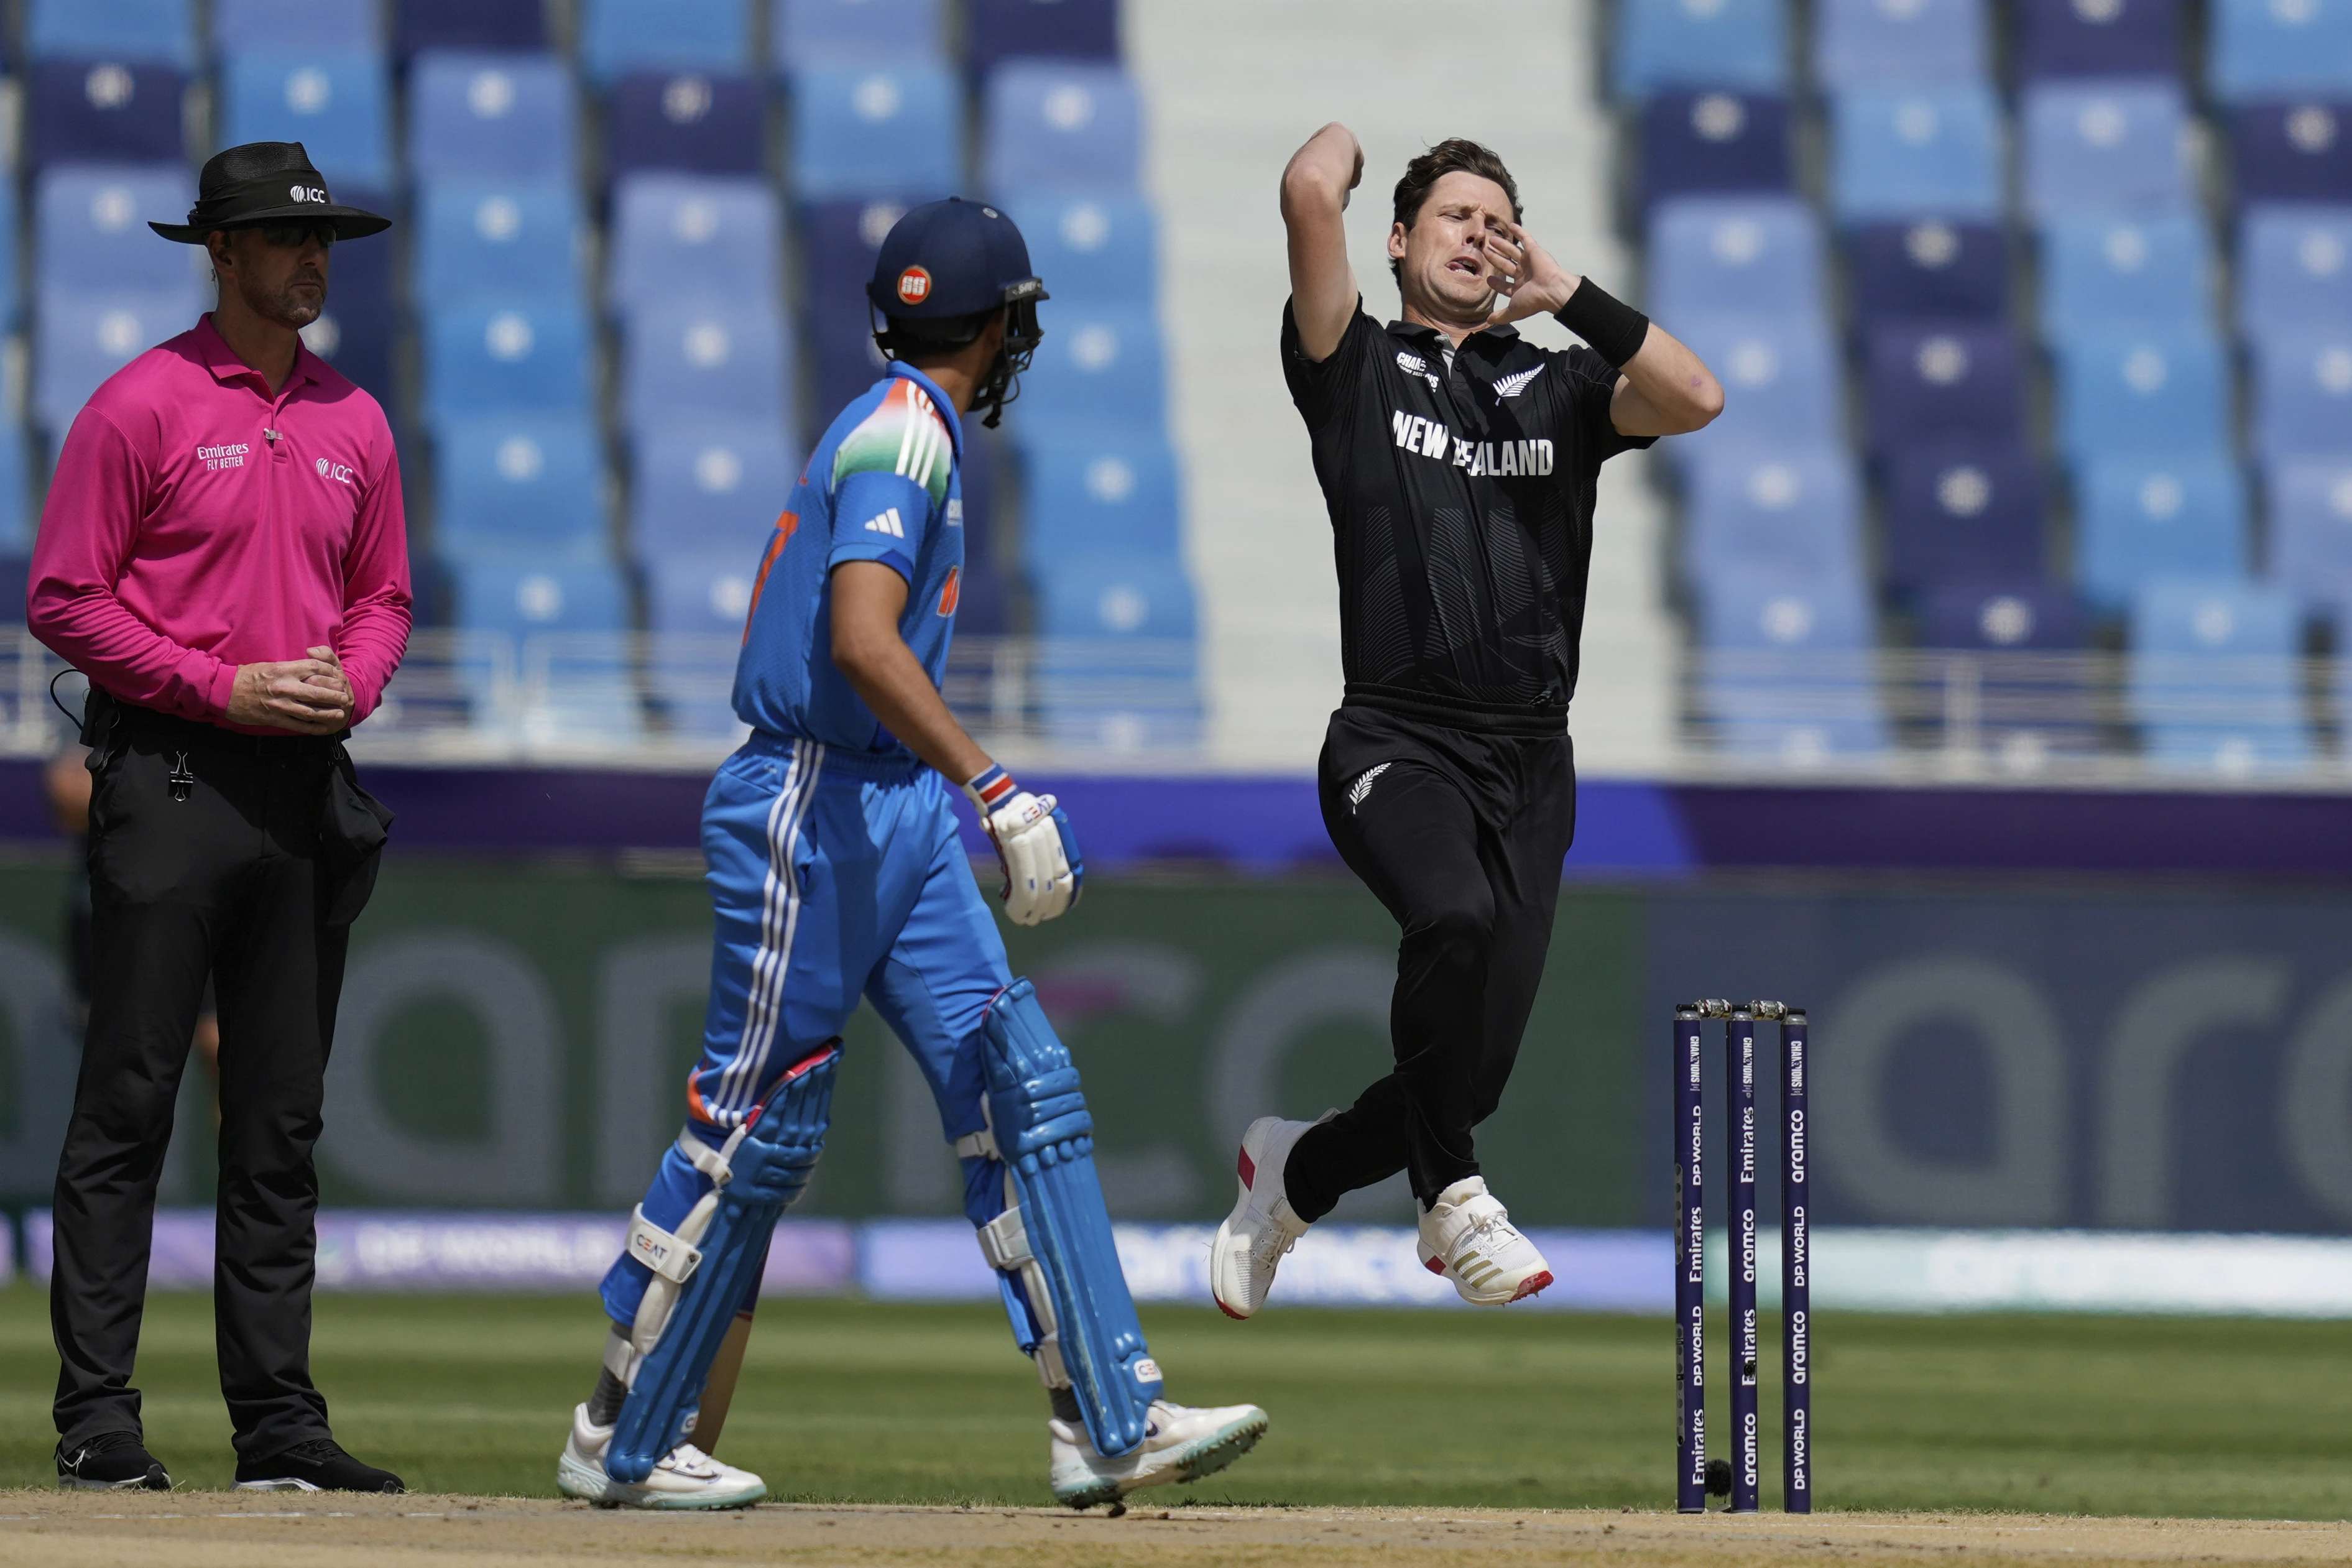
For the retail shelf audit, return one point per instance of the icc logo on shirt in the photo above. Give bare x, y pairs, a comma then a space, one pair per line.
337, 472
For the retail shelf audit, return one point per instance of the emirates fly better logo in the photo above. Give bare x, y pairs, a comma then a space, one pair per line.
914, 286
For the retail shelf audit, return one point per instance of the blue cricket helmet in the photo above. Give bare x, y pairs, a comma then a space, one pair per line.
943, 271
952, 258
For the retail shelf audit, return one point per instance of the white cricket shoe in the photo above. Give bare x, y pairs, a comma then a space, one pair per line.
1180, 1444
687, 1476
1468, 1237
1262, 1226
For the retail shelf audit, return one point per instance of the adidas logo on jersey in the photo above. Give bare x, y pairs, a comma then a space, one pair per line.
1512, 385
886, 523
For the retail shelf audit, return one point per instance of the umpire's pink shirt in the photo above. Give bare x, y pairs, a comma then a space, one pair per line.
179, 540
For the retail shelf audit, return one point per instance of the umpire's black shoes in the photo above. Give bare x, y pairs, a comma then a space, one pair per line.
318, 1466
112, 1462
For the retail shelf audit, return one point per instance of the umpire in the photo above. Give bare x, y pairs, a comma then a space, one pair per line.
224, 554
1459, 464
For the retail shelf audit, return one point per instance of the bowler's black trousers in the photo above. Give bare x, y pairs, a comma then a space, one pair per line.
218, 875
1461, 833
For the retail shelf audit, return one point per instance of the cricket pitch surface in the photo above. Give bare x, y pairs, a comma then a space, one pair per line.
218, 1530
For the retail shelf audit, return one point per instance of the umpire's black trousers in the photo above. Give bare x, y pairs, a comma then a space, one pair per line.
1460, 831
204, 860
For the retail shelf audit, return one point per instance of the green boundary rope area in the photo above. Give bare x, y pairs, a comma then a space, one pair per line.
855, 1401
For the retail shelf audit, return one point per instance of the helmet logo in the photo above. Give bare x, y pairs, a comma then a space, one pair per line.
914, 286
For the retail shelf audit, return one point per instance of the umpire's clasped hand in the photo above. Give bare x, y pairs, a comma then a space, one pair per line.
1043, 871
309, 696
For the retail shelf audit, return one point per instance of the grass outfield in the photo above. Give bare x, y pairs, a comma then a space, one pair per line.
847, 1401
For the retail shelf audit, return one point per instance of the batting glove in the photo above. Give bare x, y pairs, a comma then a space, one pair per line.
1043, 869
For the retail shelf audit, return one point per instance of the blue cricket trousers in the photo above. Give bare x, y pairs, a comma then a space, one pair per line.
834, 875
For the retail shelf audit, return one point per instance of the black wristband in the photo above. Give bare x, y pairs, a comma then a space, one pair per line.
1615, 328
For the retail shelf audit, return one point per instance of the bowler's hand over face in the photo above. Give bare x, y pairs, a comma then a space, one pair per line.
1528, 281
309, 696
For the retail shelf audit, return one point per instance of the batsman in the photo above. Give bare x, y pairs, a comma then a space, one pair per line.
836, 873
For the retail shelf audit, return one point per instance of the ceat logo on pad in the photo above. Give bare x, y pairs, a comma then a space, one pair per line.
914, 286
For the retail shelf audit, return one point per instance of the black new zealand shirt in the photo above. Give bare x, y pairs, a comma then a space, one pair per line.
1460, 501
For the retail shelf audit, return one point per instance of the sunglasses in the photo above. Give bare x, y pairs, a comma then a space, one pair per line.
297, 234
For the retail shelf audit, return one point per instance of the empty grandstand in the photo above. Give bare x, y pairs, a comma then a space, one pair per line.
2036, 323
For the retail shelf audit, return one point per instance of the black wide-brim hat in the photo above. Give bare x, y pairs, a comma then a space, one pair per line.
266, 181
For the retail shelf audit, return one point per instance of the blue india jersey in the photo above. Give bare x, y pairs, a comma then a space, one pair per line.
883, 485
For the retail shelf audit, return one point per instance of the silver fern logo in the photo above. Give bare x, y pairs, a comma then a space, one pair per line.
1512, 385
1363, 786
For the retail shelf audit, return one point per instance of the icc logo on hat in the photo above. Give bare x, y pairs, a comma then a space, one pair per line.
914, 286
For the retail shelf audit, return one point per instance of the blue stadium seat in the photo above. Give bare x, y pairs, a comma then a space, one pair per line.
706, 593
1102, 595
2310, 529
1091, 249
1096, 368
682, 237
704, 124
876, 130
2279, 49
1781, 383
2026, 707
150, 32
1900, 154
16, 584
356, 334
2298, 152
2027, 615
11, 294
1926, 384
519, 357
106, 112
2109, 271
481, 239
707, 485
2216, 678
1786, 668
489, 114
840, 240
712, 359
90, 233
1964, 513
1793, 512
2098, 39
519, 488
619, 36
1755, 254
1929, 271
2295, 269
1111, 493
1741, 44
2112, 146
332, 26
2303, 394
811, 32
338, 105
581, 687
2166, 514
1050, 125
1118, 658
16, 522
81, 340
1898, 43
1713, 141
498, 26
359, 330
2151, 392
695, 603
1000, 30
